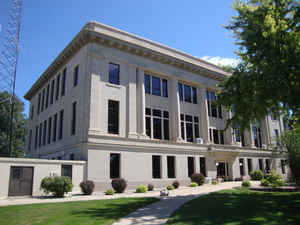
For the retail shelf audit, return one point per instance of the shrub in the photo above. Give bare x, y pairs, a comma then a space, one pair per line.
119, 185
198, 178
58, 186
256, 175
141, 189
87, 187
110, 192
274, 179
150, 187
264, 182
214, 182
170, 187
176, 184
194, 184
246, 183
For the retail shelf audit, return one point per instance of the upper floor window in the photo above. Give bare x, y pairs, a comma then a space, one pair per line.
39, 104
238, 135
213, 109
47, 95
187, 93
52, 92
157, 124
32, 112
63, 85
273, 116
43, 99
113, 117
114, 73
189, 127
257, 136
61, 124
57, 87
216, 136
75, 76
156, 86
73, 125
29, 140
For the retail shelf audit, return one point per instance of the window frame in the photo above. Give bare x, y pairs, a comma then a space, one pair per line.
164, 116
163, 85
75, 75
182, 87
112, 76
156, 172
114, 171
193, 123
213, 110
73, 118
113, 127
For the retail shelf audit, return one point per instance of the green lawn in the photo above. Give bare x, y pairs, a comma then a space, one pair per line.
72, 213
240, 206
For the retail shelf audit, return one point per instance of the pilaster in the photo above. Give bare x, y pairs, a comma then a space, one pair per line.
204, 125
131, 100
141, 104
175, 113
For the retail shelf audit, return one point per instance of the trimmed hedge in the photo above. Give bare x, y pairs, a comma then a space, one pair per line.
119, 185
58, 186
257, 175
150, 187
141, 189
176, 184
194, 184
87, 187
246, 183
170, 187
198, 178
110, 192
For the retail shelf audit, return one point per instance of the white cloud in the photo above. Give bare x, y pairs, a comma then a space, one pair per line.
217, 60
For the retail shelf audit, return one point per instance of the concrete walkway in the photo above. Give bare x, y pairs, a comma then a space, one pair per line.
159, 212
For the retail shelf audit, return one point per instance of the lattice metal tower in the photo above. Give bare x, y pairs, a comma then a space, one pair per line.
9, 60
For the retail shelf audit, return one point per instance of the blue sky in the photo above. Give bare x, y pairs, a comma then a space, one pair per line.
191, 26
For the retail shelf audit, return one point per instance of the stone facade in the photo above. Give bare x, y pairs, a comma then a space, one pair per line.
92, 50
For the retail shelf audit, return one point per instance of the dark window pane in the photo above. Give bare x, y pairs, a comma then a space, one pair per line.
202, 166
212, 96
220, 111
156, 112
113, 117
114, 165
208, 108
181, 117
165, 88
216, 136
61, 124
156, 164
180, 91
39, 104
148, 111
148, 126
52, 92
32, 112
75, 76
63, 87
57, 87
166, 130
210, 134
249, 162
54, 127
171, 166
214, 112
207, 95
114, 73
147, 83
221, 137
261, 166
166, 114
267, 165
191, 166
194, 92
188, 118
73, 126
196, 119
157, 128
189, 132
49, 129
44, 132
187, 93
182, 130
47, 95
241, 167
29, 141
196, 130
36, 136
156, 86
66, 171
43, 99
40, 135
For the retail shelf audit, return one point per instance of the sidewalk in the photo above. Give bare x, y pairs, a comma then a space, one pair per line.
182, 191
159, 212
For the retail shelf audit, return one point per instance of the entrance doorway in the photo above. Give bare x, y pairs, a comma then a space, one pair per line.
222, 170
21, 181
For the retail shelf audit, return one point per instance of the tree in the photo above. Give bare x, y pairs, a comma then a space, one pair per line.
268, 77
19, 126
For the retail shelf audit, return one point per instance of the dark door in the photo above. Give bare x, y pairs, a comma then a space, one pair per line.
21, 181
66, 170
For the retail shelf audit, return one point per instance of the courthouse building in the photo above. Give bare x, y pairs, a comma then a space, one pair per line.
139, 110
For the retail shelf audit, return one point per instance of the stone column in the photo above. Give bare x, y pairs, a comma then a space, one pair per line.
197, 164
164, 167
175, 111
204, 125
248, 134
141, 104
265, 130
131, 100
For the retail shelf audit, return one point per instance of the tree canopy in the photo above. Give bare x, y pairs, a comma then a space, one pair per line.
268, 77
19, 126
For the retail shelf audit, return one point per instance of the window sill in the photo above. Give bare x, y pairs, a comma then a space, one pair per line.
117, 86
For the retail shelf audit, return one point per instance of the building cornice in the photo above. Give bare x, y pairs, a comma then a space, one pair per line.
94, 32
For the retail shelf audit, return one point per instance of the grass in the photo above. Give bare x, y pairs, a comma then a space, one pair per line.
240, 207
72, 213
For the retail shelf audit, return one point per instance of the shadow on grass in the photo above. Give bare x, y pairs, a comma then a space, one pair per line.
240, 206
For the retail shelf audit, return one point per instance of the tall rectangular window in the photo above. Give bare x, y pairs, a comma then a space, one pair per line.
52, 92
73, 126
157, 134
39, 104
54, 128
57, 87
194, 94
191, 166
29, 140
171, 166
75, 76
159, 121
216, 136
36, 137
257, 136
156, 86
49, 129
63, 85
213, 109
156, 166
147, 84
114, 73
187, 93
249, 162
40, 134
44, 132
32, 112
267, 165
180, 91
164, 88
113, 117
203, 166
114, 165
283, 162
61, 124
261, 164
43, 99
189, 127
241, 161
47, 95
